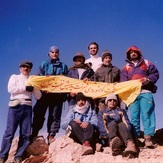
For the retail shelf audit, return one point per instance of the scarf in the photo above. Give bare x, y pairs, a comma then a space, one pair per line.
82, 109
83, 66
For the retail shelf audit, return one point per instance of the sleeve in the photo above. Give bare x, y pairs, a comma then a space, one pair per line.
41, 70
101, 125
126, 120
65, 69
124, 74
14, 87
153, 73
93, 120
95, 76
69, 117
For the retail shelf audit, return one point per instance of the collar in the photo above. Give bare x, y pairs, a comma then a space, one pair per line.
94, 56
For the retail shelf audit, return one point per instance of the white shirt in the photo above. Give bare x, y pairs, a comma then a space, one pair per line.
95, 60
17, 89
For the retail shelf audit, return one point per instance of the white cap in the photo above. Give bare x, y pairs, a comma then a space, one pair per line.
111, 96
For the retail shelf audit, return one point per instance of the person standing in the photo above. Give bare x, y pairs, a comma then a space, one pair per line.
52, 101
94, 60
107, 72
139, 68
19, 113
79, 70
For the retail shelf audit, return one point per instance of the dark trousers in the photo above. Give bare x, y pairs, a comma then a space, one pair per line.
81, 134
53, 102
21, 116
119, 129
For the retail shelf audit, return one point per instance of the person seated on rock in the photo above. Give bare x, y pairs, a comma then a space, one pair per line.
113, 123
80, 123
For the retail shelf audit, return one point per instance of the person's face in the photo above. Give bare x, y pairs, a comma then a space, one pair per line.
107, 60
25, 70
112, 103
79, 60
81, 102
54, 54
134, 55
93, 49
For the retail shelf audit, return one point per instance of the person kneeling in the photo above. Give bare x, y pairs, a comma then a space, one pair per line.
80, 123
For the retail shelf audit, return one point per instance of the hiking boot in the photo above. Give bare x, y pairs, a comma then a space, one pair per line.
18, 160
148, 141
139, 143
51, 139
86, 148
115, 145
2, 160
131, 148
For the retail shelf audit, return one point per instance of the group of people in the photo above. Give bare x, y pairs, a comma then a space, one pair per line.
88, 121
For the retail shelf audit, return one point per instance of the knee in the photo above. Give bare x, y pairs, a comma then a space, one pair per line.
73, 124
121, 124
113, 123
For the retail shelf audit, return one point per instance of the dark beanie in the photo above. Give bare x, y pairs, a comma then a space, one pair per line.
106, 53
80, 96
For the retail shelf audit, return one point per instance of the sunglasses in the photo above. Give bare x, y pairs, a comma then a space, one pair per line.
112, 100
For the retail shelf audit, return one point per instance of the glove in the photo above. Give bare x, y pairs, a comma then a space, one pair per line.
29, 88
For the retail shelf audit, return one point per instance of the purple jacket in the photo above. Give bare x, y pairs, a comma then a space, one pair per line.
142, 69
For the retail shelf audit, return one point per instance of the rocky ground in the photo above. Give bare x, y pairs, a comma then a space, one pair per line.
65, 150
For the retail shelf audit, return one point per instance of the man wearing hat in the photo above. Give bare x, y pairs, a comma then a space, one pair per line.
79, 70
20, 112
107, 72
112, 122
81, 121
52, 101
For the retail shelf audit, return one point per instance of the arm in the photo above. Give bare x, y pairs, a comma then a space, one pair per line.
153, 73
101, 125
14, 87
126, 120
37, 94
124, 75
69, 117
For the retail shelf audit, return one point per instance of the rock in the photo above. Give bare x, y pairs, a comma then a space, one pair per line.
37, 148
64, 150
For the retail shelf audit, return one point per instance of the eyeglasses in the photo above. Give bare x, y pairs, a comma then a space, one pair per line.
112, 100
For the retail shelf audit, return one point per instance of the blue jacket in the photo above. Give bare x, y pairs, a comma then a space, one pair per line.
53, 67
89, 116
108, 115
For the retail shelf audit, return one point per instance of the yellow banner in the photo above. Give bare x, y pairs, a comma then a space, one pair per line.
127, 91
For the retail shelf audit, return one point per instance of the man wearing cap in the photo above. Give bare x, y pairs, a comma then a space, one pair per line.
94, 60
112, 122
20, 112
107, 72
81, 122
139, 68
79, 70
52, 101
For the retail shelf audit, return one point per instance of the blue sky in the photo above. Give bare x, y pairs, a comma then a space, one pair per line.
29, 27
